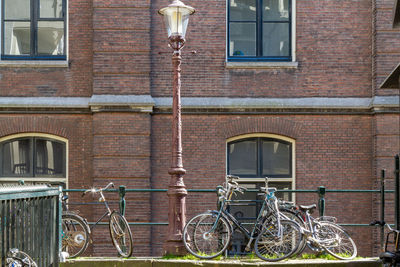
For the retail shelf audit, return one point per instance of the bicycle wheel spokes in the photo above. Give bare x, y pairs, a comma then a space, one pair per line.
204, 237
121, 234
75, 235
336, 241
270, 245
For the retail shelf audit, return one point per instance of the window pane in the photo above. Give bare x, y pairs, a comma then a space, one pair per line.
51, 37
242, 10
276, 10
15, 158
17, 9
51, 8
17, 38
276, 39
243, 158
50, 158
242, 39
276, 158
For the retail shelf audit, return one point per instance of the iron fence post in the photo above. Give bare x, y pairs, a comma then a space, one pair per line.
396, 195
321, 201
382, 209
122, 202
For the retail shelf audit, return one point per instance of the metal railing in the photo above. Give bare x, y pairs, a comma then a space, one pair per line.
321, 191
30, 219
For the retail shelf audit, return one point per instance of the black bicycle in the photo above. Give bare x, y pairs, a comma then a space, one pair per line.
76, 231
391, 256
208, 235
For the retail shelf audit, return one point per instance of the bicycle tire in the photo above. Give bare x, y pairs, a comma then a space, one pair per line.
270, 247
336, 241
121, 234
75, 233
202, 243
295, 217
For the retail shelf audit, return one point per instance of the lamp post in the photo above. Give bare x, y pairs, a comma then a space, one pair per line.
176, 17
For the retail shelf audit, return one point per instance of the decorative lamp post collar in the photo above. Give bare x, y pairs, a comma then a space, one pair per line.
176, 18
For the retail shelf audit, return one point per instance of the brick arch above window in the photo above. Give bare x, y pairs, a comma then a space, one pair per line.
249, 125
18, 125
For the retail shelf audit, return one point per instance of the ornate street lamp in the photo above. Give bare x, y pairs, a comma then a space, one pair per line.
176, 17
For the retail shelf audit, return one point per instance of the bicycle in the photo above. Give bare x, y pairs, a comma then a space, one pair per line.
320, 234
18, 258
76, 231
390, 258
208, 235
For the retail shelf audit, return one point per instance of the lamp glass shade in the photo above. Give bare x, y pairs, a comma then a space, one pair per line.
176, 18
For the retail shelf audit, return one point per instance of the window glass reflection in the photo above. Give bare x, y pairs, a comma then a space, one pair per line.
17, 9
242, 39
15, 158
242, 10
51, 9
276, 158
51, 37
17, 38
243, 158
276, 10
279, 44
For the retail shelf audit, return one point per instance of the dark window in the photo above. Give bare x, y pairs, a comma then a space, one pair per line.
33, 157
260, 157
259, 30
33, 29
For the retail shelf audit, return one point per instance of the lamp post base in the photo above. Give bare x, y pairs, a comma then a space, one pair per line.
176, 217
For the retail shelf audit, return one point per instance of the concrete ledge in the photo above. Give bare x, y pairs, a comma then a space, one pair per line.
153, 262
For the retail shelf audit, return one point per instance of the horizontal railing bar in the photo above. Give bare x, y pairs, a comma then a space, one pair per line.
165, 223
248, 190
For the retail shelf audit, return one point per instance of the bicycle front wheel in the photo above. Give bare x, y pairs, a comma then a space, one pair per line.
121, 234
75, 234
273, 244
205, 237
336, 241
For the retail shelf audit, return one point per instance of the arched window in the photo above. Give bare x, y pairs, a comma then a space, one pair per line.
33, 158
252, 158
259, 157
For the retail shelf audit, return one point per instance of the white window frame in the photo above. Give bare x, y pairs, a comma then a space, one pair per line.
39, 63
39, 179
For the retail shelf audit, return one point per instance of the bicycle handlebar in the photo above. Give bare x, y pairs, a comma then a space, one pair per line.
383, 223
98, 190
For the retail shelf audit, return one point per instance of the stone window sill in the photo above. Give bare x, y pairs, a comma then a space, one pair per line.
261, 65
33, 64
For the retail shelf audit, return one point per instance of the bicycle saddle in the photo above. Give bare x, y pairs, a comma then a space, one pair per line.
388, 256
310, 208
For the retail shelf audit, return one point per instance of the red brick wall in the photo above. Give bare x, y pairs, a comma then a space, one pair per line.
121, 47
121, 154
333, 50
333, 151
75, 80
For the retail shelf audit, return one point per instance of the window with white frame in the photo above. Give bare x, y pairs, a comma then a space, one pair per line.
260, 30
33, 158
33, 29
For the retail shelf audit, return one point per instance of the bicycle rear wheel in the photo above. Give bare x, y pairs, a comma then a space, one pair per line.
75, 234
272, 246
206, 238
336, 241
121, 234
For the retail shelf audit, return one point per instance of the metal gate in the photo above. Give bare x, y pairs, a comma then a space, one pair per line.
30, 221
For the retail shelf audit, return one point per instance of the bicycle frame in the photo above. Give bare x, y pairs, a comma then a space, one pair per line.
270, 196
107, 213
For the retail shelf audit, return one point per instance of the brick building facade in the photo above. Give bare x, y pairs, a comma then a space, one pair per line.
109, 101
